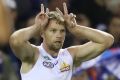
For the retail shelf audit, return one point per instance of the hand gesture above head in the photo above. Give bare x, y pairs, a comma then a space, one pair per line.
69, 18
41, 19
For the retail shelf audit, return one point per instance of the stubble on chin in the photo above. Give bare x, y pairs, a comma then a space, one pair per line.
56, 46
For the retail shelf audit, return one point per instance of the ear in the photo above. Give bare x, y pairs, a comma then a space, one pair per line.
42, 35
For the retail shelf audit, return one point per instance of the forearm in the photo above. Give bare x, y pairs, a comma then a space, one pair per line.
91, 34
25, 34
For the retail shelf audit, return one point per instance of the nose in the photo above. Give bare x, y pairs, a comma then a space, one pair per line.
59, 35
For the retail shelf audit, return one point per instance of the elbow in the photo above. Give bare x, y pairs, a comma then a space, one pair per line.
109, 41
14, 41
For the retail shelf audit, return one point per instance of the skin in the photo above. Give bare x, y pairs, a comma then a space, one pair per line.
53, 39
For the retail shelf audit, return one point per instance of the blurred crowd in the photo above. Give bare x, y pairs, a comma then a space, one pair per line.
99, 14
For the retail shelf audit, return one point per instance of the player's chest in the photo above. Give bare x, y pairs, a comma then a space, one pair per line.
59, 66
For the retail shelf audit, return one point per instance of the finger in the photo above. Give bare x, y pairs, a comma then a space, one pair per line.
58, 10
74, 16
71, 16
42, 8
74, 20
65, 8
47, 10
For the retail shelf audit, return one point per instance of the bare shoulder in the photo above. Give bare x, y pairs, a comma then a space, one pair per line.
36, 48
72, 49
35, 53
28, 65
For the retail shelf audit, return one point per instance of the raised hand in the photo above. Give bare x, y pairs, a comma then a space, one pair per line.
41, 19
69, 18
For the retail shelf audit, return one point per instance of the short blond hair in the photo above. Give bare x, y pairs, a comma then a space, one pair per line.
54, 15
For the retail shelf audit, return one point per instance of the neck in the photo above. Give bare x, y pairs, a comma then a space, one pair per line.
49, 51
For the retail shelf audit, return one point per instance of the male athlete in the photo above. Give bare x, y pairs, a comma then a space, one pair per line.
48, 61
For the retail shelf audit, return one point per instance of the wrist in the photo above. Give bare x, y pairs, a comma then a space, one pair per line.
71, 26
36, 29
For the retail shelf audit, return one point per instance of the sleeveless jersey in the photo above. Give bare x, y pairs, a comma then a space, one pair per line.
49, 68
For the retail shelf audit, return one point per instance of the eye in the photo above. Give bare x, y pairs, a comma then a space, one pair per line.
63, 30
53, 30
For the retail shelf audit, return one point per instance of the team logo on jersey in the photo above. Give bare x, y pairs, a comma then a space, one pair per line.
46, 57
64, 67
48, 64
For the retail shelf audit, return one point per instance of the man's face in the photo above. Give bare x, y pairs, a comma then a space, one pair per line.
54, 35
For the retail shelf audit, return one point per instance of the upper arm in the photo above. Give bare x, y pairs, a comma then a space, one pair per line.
87, 51
23, 50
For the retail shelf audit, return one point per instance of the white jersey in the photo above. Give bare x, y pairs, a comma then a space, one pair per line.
49, 68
